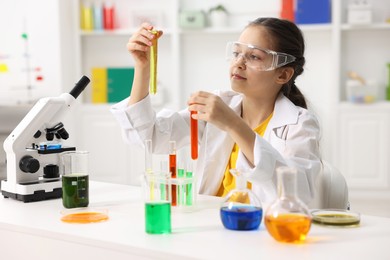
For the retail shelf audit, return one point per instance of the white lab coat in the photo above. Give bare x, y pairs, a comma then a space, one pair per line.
291, 138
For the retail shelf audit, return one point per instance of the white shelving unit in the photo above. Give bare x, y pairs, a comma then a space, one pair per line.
361, 131
191, 60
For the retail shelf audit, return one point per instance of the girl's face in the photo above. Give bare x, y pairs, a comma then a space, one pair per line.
249, 81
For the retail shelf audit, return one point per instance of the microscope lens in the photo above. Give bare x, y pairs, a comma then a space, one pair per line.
63, 133
49, 136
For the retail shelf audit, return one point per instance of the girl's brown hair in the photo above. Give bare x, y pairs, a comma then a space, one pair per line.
287, 38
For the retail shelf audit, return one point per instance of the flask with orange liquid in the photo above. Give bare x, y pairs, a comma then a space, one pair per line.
288, 218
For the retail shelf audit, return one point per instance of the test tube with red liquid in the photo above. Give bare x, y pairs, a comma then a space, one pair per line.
172, 169
194, 136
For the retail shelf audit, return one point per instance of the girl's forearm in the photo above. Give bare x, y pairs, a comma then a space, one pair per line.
140, 88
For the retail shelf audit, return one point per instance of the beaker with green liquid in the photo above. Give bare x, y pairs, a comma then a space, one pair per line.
157, 197
75, 179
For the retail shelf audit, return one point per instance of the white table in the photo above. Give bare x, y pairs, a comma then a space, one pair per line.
34, 230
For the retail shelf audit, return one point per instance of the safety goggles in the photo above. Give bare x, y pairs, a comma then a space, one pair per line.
257, 58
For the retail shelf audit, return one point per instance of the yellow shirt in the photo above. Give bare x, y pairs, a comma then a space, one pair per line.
229, 183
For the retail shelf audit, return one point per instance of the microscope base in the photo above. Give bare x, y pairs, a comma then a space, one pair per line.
34, 191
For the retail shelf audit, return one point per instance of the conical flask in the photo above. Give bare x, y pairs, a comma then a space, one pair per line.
241, 209
288, 218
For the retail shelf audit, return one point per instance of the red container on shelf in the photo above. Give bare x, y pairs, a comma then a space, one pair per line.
108, 16
287, 11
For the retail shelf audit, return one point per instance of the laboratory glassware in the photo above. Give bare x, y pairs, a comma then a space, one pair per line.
157, 199
287, 219
84, 215
75, 179
172, 169
336, 217
194, 136
153, 62
241, 209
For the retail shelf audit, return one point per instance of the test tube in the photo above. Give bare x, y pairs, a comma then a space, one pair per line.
148, 163
164, 188
194, 136
148, 156
153, 64
172, 169
181, 187
189, 198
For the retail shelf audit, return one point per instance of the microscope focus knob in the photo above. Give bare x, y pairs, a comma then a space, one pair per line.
29, 164
51, 171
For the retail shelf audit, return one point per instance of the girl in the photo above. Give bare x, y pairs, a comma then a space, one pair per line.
260, 125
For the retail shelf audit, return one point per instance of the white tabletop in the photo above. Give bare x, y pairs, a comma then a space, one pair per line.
34, 230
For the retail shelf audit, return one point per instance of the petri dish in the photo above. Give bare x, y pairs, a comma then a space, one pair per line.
84, 215
335, 217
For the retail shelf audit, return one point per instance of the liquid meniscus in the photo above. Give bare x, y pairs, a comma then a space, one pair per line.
84, 217
241, 217
290, 228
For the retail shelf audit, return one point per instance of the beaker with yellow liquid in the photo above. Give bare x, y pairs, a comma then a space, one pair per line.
288, 218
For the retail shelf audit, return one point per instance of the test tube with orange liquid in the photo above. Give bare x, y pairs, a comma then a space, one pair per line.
194, 136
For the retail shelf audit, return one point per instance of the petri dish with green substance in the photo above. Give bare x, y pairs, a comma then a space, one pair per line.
336, 217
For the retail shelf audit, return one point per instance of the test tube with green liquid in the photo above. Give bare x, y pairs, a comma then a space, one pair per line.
163, 187
189, 186
181, 188
153, 63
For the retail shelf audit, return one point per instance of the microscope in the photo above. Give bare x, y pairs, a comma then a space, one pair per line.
34, 148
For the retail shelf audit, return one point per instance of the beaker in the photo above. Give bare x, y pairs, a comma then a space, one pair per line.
157, 197
288, 218
241, 209
75, 179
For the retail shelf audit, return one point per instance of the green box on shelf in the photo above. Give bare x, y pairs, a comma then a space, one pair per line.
119, 83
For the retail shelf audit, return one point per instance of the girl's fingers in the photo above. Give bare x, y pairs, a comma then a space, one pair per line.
142, 37
199, 97
133, 46
147, 26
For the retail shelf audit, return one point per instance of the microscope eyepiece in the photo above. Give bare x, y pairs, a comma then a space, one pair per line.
80, 86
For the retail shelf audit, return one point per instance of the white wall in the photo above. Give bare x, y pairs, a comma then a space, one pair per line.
39, 55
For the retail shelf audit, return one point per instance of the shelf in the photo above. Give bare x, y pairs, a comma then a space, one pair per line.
117, 32
379, 105
360, 27
226, 30
235, 30
315, 27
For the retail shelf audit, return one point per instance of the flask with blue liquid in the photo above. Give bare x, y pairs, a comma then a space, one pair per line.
241, 209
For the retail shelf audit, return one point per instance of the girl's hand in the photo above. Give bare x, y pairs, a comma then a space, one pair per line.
140, 42
212, 109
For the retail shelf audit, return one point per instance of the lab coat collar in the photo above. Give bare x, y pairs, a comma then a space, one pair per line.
285, 113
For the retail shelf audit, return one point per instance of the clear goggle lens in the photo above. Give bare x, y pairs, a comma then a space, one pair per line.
257, 58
